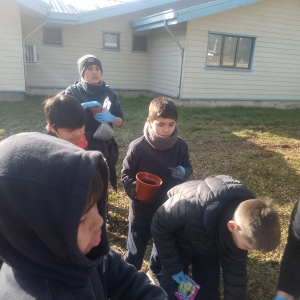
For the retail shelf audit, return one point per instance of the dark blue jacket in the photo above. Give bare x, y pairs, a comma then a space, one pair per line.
142, 157
109, 148
44, 186
193, 222
289, 278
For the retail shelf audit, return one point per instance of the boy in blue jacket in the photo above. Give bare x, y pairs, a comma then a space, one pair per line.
162, 152
52, 235
210, 224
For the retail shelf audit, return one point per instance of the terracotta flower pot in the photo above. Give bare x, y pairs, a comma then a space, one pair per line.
147, 185
96, 110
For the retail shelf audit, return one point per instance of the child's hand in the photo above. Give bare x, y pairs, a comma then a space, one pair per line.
105, 117
179, 277
178, 172
90, 104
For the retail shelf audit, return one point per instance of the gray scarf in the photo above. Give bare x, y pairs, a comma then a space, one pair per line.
92, 88
157, 141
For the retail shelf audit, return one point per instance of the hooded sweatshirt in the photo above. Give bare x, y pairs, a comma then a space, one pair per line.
44, 186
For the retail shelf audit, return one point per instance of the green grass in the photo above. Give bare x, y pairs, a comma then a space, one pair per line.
259, 146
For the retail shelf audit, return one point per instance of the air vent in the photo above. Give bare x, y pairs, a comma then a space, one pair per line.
31, 55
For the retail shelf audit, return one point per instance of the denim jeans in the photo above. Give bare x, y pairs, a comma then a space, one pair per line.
205, 271
138, 238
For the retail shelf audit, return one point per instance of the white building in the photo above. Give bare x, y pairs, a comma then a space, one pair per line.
196, 51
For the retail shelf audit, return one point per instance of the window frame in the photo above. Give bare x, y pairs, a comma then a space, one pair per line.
231, 68
106, 48
53, 43
139, 51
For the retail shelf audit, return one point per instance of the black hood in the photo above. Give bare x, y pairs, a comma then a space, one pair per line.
44, 186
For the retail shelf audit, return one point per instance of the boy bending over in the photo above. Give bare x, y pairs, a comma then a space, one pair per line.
52, 235
209, 224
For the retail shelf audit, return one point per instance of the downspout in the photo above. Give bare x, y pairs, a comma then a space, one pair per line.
182, 56
24, 51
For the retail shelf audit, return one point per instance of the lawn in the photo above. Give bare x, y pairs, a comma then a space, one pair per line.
259, 146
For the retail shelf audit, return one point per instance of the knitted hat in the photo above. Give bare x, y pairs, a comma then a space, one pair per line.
88, 60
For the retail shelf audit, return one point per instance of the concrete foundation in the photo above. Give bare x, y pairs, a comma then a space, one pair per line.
281, 104
12, 96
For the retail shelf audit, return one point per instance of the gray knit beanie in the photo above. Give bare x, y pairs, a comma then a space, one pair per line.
88, 60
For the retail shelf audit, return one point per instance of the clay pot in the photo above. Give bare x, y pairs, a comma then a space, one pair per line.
147, 185
96, 110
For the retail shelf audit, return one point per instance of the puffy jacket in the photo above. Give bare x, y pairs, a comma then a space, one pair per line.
193, 222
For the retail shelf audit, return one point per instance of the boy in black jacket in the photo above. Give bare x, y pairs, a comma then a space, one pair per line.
289, 279
209, 224
52, 235
159, 151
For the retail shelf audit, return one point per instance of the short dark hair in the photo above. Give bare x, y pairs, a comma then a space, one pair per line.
64, 111
162, 107
96, 190
260, 223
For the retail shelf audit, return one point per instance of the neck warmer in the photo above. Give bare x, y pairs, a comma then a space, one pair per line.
92, 88
157, 141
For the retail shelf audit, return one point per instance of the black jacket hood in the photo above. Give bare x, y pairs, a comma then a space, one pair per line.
44, 186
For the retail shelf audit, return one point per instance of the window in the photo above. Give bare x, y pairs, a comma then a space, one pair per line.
111, 41
139, 43
52, 36
229, 51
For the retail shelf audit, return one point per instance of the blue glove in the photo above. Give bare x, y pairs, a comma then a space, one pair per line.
178, 172
279, 298
179, 277
90, 104
105, 117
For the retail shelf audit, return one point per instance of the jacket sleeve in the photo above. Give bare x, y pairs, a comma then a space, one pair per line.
186, 163
115, 108
167, 219
129, 170
234, 267
125, 282
289, 278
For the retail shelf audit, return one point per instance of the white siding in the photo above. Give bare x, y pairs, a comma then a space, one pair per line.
276, 65
165, 60
11, 55
57, 66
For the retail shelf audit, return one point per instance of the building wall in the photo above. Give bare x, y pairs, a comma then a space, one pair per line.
165, 60
276, 65
56, 66
11, 53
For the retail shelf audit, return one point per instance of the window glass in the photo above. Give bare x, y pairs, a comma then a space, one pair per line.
229, 51
139, 43
52, 36
214, 49
244, 53
111, 40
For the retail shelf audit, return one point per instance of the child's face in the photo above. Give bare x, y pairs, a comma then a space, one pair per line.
89, 231
92, 74
162, 126
71, 135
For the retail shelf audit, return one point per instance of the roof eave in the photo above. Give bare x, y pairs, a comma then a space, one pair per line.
104, 13
188, 14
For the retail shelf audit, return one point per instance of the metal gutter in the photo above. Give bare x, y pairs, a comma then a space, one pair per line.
182, 57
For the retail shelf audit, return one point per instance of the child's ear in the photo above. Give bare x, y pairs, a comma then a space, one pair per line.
149, 121
231, 225
51, 129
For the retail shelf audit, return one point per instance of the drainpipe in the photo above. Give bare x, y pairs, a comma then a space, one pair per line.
182, 56
24, 51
